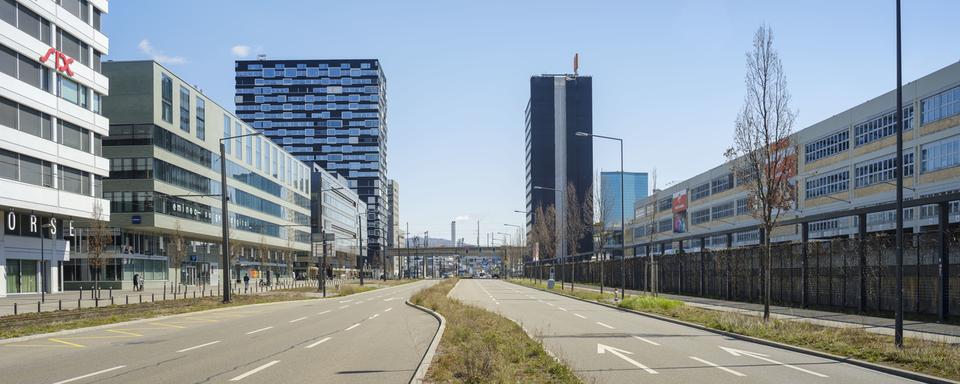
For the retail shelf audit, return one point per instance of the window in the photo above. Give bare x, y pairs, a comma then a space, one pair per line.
742, 208
97, 106
26, 119
700, 217
72, 6
722, 210
73, 136
73, 47
828, 184
72, 91
31, 72
75, 181
721, 183
237, 131
8, 11
249, 148
881, 170
226, 133
941, 106
201, 119
940, 154
665, 224
257, 145
35, 171
166, 98
700, 191
184, 109
96, 22
9, 164
823, 225
882, 126
26, 20
664, 204
827, 146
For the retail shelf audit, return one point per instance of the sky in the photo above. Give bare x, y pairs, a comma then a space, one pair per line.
667, 75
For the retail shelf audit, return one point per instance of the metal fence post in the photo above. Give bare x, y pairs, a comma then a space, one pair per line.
943, 254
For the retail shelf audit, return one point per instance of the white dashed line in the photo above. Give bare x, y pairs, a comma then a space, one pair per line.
259, 330
345, 301
324, 312
296, 320
388, 309
562, 309
198, 346
725, 369
646, 341
324, 340
604, 325
579, 315
255, 370
550, 304
374, 316
91, 374
344, 306
352, 327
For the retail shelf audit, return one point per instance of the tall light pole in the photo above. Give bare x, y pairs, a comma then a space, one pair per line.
519, 237
623, 228
562, 269
898, 322
225, 216
43, 263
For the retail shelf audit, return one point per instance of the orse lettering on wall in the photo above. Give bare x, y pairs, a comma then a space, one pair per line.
28, 224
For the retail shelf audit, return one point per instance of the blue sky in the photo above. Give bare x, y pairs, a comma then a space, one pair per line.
668, 75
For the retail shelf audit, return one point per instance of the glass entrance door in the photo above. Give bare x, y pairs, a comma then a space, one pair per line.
21, 276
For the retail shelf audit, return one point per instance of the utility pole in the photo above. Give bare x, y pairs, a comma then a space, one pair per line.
898, 323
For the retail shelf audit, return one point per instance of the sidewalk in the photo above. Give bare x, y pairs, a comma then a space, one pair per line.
945, 333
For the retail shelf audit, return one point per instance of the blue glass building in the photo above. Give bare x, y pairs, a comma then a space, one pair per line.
635, 189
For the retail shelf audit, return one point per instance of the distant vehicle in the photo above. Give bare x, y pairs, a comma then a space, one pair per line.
496, 276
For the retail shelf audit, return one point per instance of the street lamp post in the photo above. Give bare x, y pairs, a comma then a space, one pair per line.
43, 264
898, 117
519, 237
225, 217
623, 228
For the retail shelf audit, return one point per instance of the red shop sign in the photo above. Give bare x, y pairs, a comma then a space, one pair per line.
61, 61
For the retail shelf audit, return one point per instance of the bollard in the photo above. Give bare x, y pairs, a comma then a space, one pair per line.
111, 300
96, 302
38, 307
59, 304
78, 304
127, 297
151, 298
194, 294
164, 292
141, 298
111, 292
81, 292
14, 307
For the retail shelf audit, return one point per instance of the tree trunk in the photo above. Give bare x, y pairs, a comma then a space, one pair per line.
767, 263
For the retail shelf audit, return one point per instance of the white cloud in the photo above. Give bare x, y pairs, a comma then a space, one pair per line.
158, 55
241, 51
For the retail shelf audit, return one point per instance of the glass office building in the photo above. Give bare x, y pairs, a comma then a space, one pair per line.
634, 190
332, 112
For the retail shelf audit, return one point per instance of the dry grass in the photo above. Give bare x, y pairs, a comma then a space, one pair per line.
928, 357
480, 346
45, 322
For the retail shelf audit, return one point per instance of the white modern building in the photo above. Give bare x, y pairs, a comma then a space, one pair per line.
51, 130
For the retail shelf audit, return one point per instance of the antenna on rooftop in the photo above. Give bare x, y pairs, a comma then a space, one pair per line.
261, 57
576, 63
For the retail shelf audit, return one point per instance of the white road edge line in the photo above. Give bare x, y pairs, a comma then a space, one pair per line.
255, 370
725, 369
296, 320
324, 340
649, 342
198, 346
259, 330
91, 374
604, 325
352, 327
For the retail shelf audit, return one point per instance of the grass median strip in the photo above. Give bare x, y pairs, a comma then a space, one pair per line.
928, 357
480, 346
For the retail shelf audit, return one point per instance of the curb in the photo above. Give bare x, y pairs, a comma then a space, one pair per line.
848, 360
424, 365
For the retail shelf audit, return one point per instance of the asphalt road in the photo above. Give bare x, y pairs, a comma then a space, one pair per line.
604, 345
370, 337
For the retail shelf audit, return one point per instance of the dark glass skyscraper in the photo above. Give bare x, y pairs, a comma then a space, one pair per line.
332, 112
559, 107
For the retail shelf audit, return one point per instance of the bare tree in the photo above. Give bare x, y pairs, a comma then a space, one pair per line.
577, 223
178, 252
543, 234
99, 238
603, 203
763, 157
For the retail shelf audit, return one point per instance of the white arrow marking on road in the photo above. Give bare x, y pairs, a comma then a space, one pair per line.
604, 325
352, 327
255, 370
259, 330
198, 346
601, 349
725, 369
296, 320
91, 374
646, 341
318, 343
760, 356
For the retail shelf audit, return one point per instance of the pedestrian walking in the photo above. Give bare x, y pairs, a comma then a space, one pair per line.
246, 283
136, 281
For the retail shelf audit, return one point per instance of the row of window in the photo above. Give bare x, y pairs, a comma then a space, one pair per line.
313, 72
29, 120
83, 10
28, 70
31, 23
258, 66
827, 146
720, 211
881, 170
941, 106
30, 170
882, 126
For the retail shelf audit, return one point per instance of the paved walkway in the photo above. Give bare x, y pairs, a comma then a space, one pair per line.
947, 333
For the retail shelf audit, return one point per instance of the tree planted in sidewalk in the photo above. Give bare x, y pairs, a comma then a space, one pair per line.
177, 251
763, 157
603, 202
99, 237
577, 223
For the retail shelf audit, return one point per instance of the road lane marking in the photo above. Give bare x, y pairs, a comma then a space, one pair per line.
298, 319
601, 349
352, 327
255, 370
646, 341
324, 340
91, 374
550, 304
579, 315
604, 325
198, 346
725, 369
345, 301
324, 312
374, 316
259, 330
344, 306
562, 309
122, 332
388, 309
67, 343
169, 325
760, 356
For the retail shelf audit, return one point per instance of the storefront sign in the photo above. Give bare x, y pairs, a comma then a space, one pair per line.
60, 61
28, 224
